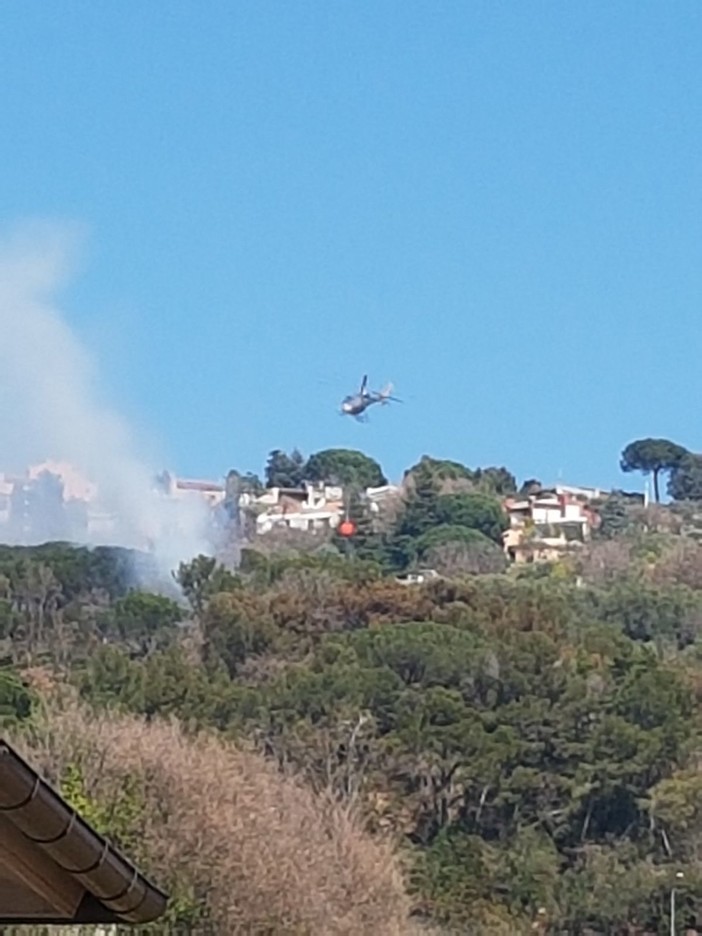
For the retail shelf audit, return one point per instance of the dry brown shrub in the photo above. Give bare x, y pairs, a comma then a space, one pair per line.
604, 560
456, 558
314, 587
680, 565
264, 853
381, 602
283, 540
657, 518
322, 604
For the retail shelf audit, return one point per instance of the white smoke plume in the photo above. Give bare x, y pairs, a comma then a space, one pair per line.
51, 407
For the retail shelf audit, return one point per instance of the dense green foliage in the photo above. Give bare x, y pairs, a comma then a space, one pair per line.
530, 736
686, 478
498, 481
284, 470
453, 529
347, 467
344, 466
521, 736
16, 700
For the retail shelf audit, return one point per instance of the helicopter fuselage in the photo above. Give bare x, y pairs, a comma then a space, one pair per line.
357, 403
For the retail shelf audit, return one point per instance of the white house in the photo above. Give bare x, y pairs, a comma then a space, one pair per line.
377, 496
544, 524
308, 508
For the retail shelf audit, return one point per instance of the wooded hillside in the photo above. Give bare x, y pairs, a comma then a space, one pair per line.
310, 746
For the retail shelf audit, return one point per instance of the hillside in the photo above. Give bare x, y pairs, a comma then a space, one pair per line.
310, 745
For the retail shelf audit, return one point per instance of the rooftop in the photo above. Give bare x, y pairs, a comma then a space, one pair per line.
54, 868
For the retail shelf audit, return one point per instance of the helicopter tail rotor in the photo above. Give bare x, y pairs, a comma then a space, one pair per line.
385, 395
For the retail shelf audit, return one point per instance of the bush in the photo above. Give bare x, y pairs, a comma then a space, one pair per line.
240, 848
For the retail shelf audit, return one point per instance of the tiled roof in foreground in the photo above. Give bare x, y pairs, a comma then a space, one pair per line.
54, 868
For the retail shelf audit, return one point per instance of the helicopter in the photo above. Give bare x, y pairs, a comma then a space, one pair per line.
357, 403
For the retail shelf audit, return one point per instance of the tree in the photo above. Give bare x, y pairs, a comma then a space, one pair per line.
455, 558
16, 699
420, 506
651, 456
477, 511
491, 480
202, 578
440, 469
369, 543
194, 578
426, 508
615, 516
530, 486
347, 467
497, 481
249, 483
455, 550
142, 620
234, 627
252, 484
445, 533
686, 478
284, 470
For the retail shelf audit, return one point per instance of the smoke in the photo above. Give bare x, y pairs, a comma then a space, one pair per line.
51, 408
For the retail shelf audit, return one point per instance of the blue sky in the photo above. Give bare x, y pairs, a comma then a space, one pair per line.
497, 205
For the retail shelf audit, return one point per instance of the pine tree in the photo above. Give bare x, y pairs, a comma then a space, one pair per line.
420, 512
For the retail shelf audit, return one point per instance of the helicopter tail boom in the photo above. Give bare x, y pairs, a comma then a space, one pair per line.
385, 395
